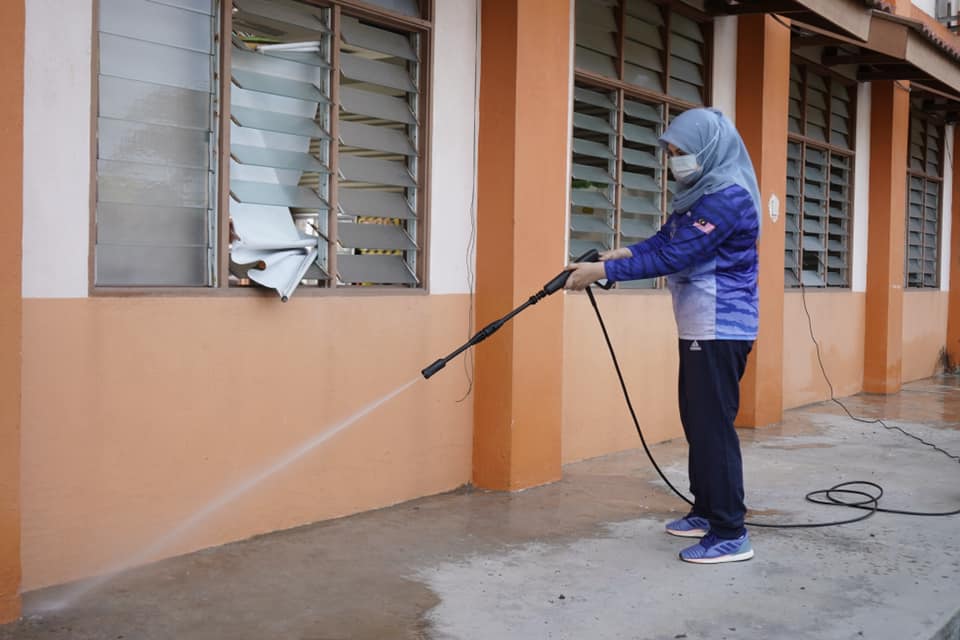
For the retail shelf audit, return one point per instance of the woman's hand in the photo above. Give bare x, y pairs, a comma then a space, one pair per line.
616, 254
583, 274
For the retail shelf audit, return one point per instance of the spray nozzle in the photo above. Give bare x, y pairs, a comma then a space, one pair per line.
433, 368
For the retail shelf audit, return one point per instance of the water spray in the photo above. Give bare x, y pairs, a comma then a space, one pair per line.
73, 593
556, 284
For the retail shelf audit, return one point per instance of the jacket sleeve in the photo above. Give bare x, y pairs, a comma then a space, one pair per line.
652, 243
696, 238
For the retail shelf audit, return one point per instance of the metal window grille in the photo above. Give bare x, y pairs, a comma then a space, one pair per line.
637, 64
821, 121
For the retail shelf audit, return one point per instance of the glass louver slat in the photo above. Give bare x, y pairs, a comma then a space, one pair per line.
380, 269
383, 74
373, 236
372, 38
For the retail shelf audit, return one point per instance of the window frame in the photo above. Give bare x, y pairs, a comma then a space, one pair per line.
667, 103
926, 178
830, 149
221, 285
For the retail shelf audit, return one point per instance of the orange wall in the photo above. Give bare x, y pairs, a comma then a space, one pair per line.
763, 73
595, 417
596, 420
11, 257
838, 324
953, 296
139, 411
924, 332
522, 177
886, 236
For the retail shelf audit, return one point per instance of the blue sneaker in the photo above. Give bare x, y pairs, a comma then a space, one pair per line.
714, 550
689, 527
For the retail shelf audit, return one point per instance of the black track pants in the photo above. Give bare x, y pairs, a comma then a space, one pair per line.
709, 394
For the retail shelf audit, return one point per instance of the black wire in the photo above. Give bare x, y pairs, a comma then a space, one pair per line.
472, 242
865, 500
834, 399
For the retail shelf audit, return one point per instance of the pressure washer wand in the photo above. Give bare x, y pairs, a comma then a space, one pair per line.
548, 289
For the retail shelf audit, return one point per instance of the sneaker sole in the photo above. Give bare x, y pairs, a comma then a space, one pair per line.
692, 533
734, 557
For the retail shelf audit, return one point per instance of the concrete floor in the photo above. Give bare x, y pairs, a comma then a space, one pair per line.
586, 557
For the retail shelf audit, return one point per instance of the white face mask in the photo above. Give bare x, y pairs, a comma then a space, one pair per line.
685, 168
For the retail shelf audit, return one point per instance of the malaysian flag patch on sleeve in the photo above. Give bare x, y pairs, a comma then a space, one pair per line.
703, 225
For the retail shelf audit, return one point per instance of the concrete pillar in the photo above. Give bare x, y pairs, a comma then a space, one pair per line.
763, 92
883, 346
524, 135
11, 259
953, 309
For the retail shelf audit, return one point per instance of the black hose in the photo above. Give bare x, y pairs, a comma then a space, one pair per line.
865, 500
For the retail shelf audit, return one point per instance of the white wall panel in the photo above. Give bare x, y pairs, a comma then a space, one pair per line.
861, 188
725, 65
930, 6
56, 148
946, 213
453, 145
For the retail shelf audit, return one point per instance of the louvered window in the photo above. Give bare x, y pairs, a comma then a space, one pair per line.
596, 36
155, 222
924, 189
819, 178
687, 78
323, 169
619, 192
594, 169
377, 220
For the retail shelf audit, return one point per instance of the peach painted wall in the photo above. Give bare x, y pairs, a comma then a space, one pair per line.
838, 324
924, 332
137, 412
595, 418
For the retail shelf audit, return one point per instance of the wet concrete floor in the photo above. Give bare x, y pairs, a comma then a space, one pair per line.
586, 557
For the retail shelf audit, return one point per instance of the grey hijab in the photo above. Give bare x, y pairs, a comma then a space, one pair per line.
720, 152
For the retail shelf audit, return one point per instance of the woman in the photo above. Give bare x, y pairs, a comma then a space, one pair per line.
707, 249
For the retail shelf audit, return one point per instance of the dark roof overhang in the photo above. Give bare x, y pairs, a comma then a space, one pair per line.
848, 17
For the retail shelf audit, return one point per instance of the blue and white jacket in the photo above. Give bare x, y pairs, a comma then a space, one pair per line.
709, 254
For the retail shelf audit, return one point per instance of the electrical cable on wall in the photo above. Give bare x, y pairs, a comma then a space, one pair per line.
472, 242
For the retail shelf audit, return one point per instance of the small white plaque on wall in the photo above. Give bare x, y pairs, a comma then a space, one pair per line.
774, 207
